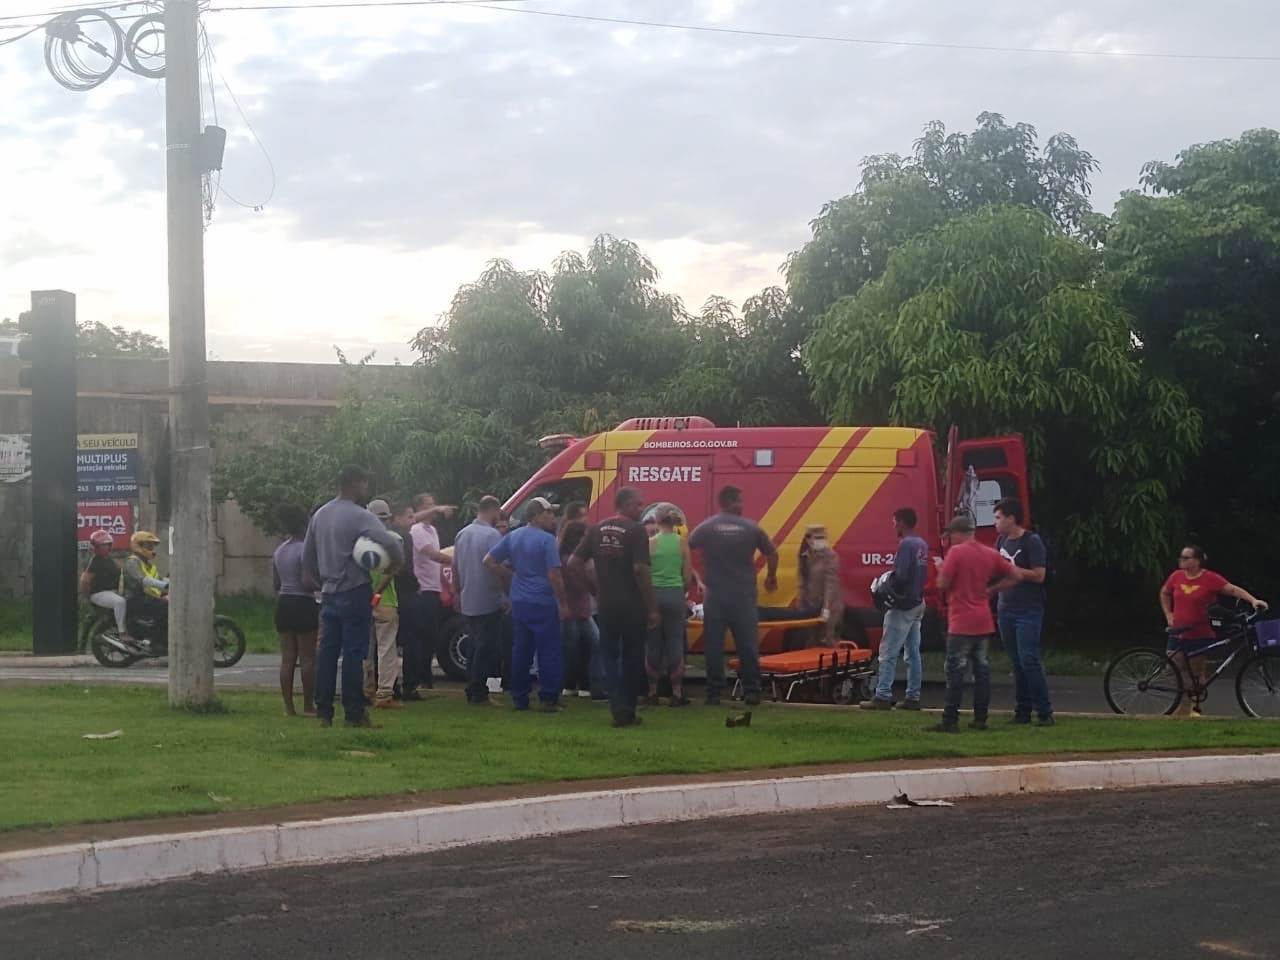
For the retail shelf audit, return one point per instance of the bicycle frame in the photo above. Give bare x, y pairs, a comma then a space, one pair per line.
1239, 639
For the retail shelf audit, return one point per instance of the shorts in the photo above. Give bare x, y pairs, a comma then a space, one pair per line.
297, 615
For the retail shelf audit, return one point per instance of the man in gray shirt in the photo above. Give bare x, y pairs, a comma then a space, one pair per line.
728, 543
479, 597
346, 614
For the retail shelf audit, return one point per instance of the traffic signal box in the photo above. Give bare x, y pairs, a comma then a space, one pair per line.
50, 350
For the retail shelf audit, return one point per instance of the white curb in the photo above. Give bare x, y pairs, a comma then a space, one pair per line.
86, 867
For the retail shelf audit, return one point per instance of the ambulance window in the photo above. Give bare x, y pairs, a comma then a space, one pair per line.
558, 493
990, 492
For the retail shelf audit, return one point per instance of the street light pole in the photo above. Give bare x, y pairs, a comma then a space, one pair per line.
190, 567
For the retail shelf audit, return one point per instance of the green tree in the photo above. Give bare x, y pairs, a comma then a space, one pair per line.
1196, 261
946, 176
94, 339
994, 322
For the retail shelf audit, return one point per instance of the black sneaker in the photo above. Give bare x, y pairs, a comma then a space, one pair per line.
680, 702
909, 705
551, 706
481, 702
325, 722
412, 696
627, 721
977, 725
752, 699
1020, 721
364, 723
875, 703
944, 727
651, 700
1046, 721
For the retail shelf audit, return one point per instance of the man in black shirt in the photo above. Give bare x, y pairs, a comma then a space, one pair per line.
628, 608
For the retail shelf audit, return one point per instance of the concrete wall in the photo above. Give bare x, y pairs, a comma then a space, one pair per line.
131, 396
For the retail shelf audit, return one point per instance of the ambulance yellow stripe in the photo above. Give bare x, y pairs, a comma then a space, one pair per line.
841, 501
805, 479
620, 442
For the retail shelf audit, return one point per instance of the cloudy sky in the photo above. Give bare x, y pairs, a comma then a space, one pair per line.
411, 145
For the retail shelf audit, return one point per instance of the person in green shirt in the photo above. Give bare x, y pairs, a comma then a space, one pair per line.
380, 679
672, 569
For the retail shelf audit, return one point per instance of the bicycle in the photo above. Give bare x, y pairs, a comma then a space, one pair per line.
1147, 681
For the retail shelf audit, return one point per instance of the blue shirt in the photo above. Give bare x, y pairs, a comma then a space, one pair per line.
478, 590
531, 553
909, 569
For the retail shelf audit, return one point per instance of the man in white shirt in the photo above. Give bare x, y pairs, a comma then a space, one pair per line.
427, 565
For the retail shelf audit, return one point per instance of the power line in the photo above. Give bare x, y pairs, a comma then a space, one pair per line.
865, 41
271, 192
353, 5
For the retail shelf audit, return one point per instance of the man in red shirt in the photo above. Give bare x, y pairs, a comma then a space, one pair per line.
970, 575
1186, 598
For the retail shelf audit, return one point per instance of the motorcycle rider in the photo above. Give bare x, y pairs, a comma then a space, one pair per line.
145, 592
100, 582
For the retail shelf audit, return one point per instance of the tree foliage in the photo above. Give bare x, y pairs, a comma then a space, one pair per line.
994, 322
95, 339
947, 175
1196, 261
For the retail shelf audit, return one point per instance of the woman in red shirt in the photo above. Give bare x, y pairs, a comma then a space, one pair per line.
1186, 598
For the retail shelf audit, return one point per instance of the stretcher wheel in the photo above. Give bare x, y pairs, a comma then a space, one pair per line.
850, 690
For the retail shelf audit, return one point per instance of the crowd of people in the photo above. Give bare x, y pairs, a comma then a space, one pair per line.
602, 608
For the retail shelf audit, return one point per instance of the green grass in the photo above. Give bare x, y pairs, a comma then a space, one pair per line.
252, 613
169, 762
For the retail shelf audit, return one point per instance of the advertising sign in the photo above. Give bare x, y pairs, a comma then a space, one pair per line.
106, 466
113, 516
15, 457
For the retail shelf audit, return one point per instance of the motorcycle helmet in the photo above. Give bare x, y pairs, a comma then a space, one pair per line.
144, 544
102, 542
883, 593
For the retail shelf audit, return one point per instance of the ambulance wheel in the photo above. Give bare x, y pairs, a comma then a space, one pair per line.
455, 649
933, 634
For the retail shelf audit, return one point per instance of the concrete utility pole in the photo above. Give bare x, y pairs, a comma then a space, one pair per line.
190, 567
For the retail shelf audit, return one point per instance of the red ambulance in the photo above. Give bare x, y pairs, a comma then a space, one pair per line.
849, 479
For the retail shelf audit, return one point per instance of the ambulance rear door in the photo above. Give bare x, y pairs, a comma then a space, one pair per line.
675, 478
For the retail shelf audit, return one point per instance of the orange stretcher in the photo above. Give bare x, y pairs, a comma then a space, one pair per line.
840, 674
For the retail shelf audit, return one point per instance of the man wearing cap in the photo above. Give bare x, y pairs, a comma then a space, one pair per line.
383, 669
346, 618
529, 560
971, 573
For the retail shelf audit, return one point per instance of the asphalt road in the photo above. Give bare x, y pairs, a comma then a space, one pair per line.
259, 671
1181, 873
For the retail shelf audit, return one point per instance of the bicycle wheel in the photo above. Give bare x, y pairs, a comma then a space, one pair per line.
1258, 685
1143, 682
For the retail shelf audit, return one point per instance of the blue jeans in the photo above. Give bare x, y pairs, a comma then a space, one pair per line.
346, 622
743, 621
1020, 631
580, 642
901, 628
961, 651
537, 628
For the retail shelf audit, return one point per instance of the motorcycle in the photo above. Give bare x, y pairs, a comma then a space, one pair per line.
149, 640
